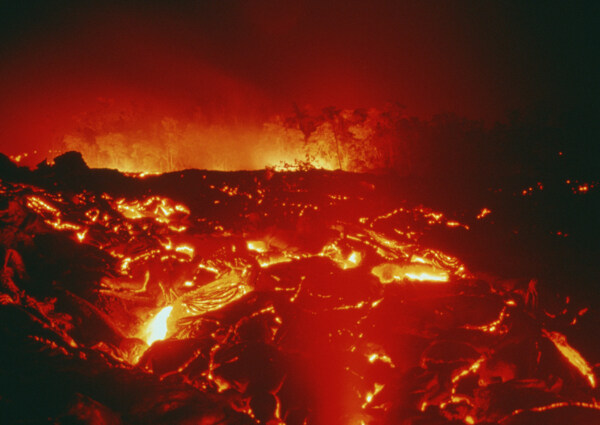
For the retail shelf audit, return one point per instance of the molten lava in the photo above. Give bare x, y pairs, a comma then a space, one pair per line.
572, 356
272, 298
157, 328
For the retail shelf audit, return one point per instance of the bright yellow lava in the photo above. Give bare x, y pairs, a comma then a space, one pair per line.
157, 328
389, 272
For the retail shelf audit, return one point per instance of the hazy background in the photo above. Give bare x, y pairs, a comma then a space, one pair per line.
113, 73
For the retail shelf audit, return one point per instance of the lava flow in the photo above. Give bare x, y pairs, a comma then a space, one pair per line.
262, 297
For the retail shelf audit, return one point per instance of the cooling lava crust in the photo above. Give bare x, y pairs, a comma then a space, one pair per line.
276, 298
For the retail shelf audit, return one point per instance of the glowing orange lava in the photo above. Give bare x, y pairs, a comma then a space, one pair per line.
572, 356
276, 302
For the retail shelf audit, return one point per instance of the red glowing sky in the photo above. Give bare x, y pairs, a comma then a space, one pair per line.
239, 62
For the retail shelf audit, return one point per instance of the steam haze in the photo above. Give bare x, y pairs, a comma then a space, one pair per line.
113, 75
